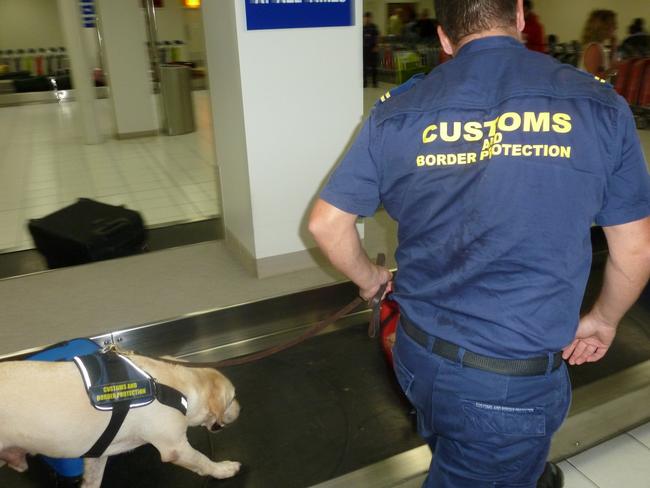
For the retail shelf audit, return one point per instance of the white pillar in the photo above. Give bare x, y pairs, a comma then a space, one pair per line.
124, 44
285, 104
84, 86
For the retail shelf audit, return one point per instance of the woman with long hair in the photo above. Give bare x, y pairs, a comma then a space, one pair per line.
599, 42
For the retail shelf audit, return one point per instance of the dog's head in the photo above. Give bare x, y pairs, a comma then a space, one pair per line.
218, 395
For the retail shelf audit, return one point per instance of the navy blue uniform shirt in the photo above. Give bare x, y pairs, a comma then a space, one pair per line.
495, 166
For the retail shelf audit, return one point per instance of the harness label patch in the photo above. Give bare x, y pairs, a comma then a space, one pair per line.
116, 392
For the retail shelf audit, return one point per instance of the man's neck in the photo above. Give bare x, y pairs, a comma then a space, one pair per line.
487, 33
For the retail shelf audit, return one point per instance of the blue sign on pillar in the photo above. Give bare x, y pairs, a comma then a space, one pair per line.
288, 14
88, 15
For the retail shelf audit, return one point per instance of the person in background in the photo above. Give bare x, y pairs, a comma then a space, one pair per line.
395, 24
409, 31
599, 43
426, 27
551, 44
533, 32
370, 39
637, 44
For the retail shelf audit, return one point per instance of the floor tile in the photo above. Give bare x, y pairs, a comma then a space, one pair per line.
40, 211
161, 215
137, 186
206, 207
574, 478
32, 201
151, 194
642, 434
117, 199
619, 462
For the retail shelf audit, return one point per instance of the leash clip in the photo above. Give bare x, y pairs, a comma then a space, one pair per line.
110, 348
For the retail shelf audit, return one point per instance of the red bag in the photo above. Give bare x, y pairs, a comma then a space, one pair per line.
389, 318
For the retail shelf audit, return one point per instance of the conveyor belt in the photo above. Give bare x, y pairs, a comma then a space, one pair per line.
322, 409
325, 408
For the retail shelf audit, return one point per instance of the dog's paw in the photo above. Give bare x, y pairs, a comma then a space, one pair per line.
226, 469
20, 467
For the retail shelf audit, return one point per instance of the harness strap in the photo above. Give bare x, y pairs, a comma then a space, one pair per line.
171, 397
116, 367
118, 414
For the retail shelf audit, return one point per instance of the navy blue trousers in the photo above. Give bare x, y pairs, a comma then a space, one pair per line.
484, 429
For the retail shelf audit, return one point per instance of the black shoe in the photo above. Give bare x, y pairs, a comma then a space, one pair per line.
552, 477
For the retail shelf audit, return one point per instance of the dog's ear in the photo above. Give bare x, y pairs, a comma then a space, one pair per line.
219, 391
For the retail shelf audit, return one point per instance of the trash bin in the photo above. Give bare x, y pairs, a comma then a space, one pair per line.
176, 93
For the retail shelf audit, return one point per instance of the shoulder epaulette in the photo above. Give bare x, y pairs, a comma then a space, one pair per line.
404, 87
604, 82
600, 80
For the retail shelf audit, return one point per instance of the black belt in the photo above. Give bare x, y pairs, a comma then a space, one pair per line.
512, 367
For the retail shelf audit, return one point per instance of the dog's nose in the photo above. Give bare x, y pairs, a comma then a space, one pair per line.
216, 427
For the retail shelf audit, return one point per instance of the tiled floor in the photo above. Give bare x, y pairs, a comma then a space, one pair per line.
46, 166
621, 462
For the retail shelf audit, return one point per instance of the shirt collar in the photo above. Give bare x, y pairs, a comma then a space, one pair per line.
492, 42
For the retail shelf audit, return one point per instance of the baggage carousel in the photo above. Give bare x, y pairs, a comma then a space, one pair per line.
328, 412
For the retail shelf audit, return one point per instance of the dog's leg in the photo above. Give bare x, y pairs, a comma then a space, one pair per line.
183, 454
93, 472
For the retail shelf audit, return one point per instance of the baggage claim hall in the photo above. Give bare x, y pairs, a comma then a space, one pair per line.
159, 162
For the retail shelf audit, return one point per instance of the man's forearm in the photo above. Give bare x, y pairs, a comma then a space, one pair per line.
624, 280
626, 272
337, 236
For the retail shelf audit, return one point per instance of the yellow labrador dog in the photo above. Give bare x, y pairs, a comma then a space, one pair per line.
44, 409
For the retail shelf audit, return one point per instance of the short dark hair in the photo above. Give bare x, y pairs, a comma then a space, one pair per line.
460, 18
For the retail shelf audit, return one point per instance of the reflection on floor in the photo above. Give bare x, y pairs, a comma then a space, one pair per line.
46, 166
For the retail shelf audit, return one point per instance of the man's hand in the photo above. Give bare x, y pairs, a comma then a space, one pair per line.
380, 277
626, 274
593, 338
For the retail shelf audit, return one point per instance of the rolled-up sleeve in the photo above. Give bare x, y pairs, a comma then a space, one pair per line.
354, 185
627, 194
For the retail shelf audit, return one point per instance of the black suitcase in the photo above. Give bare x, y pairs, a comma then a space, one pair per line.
33, 84
88, 231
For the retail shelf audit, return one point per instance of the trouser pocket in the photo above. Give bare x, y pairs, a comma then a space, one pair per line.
487, 418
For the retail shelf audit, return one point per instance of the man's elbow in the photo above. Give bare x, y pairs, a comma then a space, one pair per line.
316, 226
319, 223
